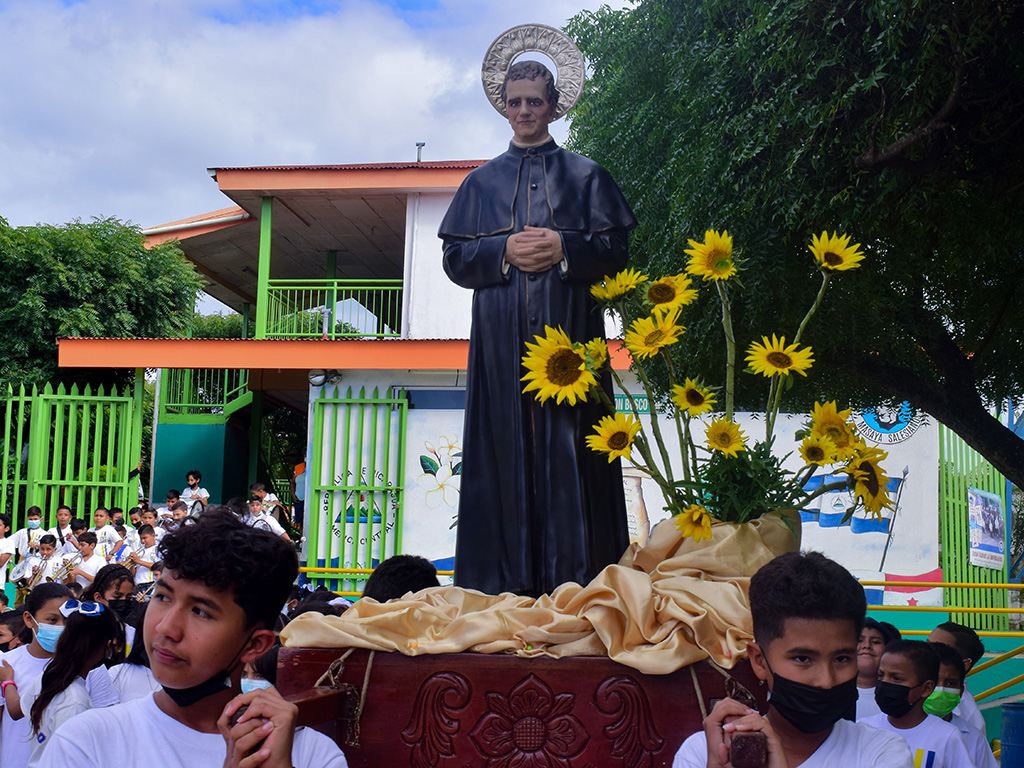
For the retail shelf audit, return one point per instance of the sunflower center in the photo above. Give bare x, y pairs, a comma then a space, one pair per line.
723, 439
654, 338
836, 434
661, 293
563, 368
870, 480
618, 440
779, 359
815, 453
695, 398
831, 258
529, 734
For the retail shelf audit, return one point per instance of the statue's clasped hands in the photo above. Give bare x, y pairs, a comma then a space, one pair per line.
535, 249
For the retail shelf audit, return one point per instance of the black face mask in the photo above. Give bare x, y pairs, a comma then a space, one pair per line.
4, 647
810, 709
894, 700
186, 697
121, 608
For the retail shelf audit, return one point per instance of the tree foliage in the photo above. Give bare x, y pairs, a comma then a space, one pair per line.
899, 122
93, 279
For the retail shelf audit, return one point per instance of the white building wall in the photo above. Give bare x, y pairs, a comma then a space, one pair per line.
435, 308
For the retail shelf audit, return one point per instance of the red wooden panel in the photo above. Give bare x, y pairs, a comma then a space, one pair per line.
476, 710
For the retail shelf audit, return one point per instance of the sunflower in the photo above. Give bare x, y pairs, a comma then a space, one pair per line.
557, 368
835, 253
670, 292
725, 436
597, 353
647, 335
614, 435
774, 357
818, 449
694, 521
870, 482
712, 259
827, 421
693, 398
611, 288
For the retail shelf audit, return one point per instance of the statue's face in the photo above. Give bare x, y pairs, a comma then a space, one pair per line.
528, 109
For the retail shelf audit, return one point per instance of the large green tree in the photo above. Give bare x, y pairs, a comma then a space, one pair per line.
91, 279
899, 122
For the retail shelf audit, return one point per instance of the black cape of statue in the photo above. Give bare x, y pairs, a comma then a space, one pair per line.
537, 507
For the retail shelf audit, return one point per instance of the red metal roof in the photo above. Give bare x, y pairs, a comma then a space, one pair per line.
444, 164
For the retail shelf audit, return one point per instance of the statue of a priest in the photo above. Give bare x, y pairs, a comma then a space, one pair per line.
529, 232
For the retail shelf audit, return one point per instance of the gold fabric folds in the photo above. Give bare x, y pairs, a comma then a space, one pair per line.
663, 606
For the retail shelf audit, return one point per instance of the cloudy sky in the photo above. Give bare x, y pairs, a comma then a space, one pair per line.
117, 107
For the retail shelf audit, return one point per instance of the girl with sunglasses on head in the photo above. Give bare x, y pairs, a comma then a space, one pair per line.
24, 664
90, 635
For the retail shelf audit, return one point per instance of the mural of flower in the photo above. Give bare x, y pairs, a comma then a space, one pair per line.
442, 472
531, 727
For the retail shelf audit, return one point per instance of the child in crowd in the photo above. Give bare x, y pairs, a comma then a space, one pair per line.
24, 664
197, 498
907, 675
173, 497
61, 692
210, 615
91, 561
106, 536
6, 549
400, 575
11, 625
133, 678
72, 546
258, 517
50, 560
113, 587
967, 642
62, 530
144, 561
148, 517
946, 696
26, 540
807, 614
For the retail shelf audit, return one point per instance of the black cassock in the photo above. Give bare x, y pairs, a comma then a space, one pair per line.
537, 507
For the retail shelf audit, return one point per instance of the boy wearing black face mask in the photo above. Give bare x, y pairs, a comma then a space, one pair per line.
907, 675
807, 613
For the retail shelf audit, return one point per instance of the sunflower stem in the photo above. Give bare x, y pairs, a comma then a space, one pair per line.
730, 349
825, 277
679, 424
655, 427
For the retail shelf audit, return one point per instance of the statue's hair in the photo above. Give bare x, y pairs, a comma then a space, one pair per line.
531, 70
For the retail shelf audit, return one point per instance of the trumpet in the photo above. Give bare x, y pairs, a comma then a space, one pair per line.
61, 574
37, 575
125, 559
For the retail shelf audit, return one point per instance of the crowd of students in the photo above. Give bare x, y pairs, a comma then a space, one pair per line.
129, 672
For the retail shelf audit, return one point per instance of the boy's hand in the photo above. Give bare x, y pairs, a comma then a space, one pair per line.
730, 717
265, 730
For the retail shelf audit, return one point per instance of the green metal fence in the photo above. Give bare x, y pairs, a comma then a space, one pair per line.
196, 395
358, 477
333, 309
960, 469
72, 446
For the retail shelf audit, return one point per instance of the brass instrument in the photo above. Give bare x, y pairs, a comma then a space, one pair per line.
126, 559
38, 574
70, 563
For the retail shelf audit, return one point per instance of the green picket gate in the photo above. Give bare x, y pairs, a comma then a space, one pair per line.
358, 475
75, 446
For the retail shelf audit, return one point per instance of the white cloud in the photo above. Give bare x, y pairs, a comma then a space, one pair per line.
117, 107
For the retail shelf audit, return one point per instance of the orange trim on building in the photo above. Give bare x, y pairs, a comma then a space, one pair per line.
274, 180
286, 354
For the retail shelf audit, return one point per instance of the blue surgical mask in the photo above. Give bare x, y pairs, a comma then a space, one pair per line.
33, 523
47, 635
250, 684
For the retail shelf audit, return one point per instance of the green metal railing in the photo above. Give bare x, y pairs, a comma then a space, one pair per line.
962, 468
202, 394
354, 517
333, 309
72, 446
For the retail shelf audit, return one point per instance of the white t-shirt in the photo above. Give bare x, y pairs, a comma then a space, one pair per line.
6, 548
264, 521
144, 733
189, 496
144, 575
108, 539
133, 681
934, 743
73, 700
977, 743
23, 536
969, 711
15, 735
866, 704
67, 547
90, 565
850, 745
48, 566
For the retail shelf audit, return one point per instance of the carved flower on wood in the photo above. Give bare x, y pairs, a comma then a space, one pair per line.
531, 727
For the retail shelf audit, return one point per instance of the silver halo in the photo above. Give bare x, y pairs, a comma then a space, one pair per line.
537, 38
